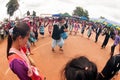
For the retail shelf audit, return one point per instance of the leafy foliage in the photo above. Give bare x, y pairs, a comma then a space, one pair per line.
28, 13
79, 11
12, 6
66, 15
34, 13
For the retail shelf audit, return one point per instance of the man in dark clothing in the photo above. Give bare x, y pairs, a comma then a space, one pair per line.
56, 32
98, 31
58, 28
111, 68
107, 36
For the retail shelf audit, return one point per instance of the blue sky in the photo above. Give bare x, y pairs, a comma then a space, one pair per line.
109, 9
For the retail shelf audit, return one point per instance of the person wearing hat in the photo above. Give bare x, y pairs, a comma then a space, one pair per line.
58, 28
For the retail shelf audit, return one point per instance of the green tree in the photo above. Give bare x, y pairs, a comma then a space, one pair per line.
66, 14
28, 13
34, 14
86, 14
101, 17
79, 11
12, 6
17, 18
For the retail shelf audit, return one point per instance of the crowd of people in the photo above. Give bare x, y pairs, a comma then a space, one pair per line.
23, 34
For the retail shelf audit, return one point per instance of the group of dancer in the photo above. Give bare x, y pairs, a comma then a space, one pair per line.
77, 26
71, 26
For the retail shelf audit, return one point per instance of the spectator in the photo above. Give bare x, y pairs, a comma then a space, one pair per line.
18, 61
80, 68
111, 68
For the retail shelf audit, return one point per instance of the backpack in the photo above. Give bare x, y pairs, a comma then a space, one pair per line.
64, 35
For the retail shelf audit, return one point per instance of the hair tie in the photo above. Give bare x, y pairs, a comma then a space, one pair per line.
86, 68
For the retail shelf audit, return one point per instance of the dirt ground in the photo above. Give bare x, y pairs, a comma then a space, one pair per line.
51, 64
